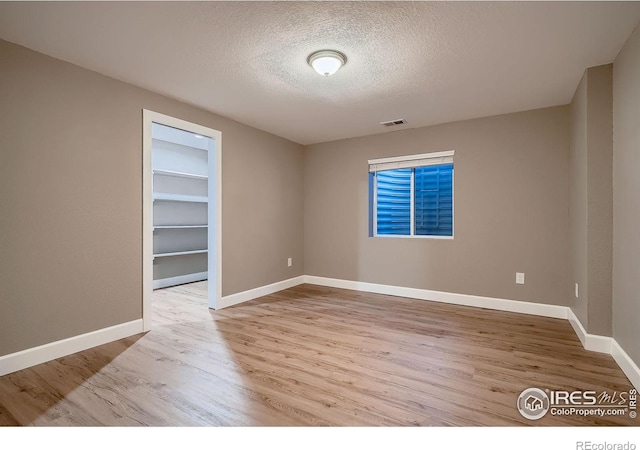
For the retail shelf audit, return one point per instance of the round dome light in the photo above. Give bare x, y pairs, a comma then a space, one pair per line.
327, 62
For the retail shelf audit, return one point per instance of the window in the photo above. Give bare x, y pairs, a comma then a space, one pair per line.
412, 195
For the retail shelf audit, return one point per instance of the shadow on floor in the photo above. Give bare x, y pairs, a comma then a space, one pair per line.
28, 394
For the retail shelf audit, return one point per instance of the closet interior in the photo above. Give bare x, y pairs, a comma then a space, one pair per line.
180, 206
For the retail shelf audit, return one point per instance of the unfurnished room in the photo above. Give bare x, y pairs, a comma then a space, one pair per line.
320, 214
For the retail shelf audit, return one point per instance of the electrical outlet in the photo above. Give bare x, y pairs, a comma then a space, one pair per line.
576, 290
290, 262
519, 278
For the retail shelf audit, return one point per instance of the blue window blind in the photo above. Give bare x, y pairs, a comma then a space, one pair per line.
393, 188
414, 199
433, 194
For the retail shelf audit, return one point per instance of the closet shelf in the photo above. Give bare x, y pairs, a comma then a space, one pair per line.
173, 173
190, 252
179, 198
189, 144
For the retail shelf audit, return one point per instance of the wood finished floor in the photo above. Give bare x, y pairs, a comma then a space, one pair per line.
313, 356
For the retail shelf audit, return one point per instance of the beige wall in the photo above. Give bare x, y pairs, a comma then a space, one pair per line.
591, 199
626, 198
71, 200
578, 202
511, 209
600, 199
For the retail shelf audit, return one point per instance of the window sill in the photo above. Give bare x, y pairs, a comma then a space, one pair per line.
399, 236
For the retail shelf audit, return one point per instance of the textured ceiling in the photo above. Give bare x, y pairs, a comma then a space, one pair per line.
426, 62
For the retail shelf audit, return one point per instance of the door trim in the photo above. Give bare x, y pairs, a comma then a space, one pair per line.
149, 117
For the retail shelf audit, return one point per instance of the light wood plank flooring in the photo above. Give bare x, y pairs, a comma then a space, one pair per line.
313, 356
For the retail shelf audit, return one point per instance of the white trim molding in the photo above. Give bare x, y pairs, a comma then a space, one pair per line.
537, 309
400, 162
245, 296
591, 342
630, 368
54, 350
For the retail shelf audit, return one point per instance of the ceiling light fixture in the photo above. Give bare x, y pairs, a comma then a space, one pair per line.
327, 62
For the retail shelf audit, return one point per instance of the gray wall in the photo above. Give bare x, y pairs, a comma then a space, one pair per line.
71, 200
591, 199
600, 198
511, 209
626, 203
578, 202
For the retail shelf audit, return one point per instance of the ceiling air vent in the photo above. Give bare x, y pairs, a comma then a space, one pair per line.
393, 123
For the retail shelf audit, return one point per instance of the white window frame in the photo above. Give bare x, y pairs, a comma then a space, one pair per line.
410, 162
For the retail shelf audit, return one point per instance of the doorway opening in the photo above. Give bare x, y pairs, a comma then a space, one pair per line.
182, 207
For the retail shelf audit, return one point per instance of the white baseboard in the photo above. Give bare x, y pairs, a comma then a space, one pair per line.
245, 296
577, 327
591, 342
630, 368
181, 279
47, 352
537, 309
